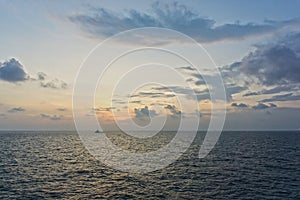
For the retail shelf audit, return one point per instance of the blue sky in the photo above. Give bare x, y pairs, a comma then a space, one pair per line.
255, 45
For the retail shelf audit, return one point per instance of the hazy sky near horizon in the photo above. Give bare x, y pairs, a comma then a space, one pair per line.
255, 45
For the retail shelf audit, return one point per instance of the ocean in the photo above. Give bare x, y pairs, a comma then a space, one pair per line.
243, 165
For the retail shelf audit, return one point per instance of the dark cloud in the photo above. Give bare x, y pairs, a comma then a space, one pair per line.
283, 97
12, 71
273, 64
17, 109
175, 113
273, 67
52, 117
272, 105
103, 22
261, 106
2, 116
274, 90
188, 68
143, 113
251, 94
239, 105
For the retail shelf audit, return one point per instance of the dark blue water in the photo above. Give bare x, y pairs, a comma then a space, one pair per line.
243, 165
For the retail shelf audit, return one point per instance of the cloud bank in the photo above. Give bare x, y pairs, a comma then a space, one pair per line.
103, 22
274, 67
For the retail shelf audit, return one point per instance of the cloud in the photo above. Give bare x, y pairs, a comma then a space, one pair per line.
175, 89
47, 82
51, 117
54, 84
187, 68
153, 95
103, 22
144, 112
175, 113
17, 109
62, 109
104, 109
273, 64
41, 76
233, 89
274, 90
230, 89
251, 94
240, 105
2, 116
136, 102
261, 106
12, 71
284, 97
119, 101
274, 67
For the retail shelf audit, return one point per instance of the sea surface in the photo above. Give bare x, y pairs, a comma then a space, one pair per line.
243, 165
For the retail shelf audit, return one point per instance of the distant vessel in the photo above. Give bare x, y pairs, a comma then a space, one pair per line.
97, 131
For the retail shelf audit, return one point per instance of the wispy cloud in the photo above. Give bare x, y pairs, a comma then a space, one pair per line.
283, 97
104, 109
153, 95
187, 68
62, 109
17, 109
104, 22
274, 90
51, 117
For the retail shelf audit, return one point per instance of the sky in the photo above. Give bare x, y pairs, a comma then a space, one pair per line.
46, 49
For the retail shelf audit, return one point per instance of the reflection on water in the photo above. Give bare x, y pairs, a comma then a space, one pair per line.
253, 165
